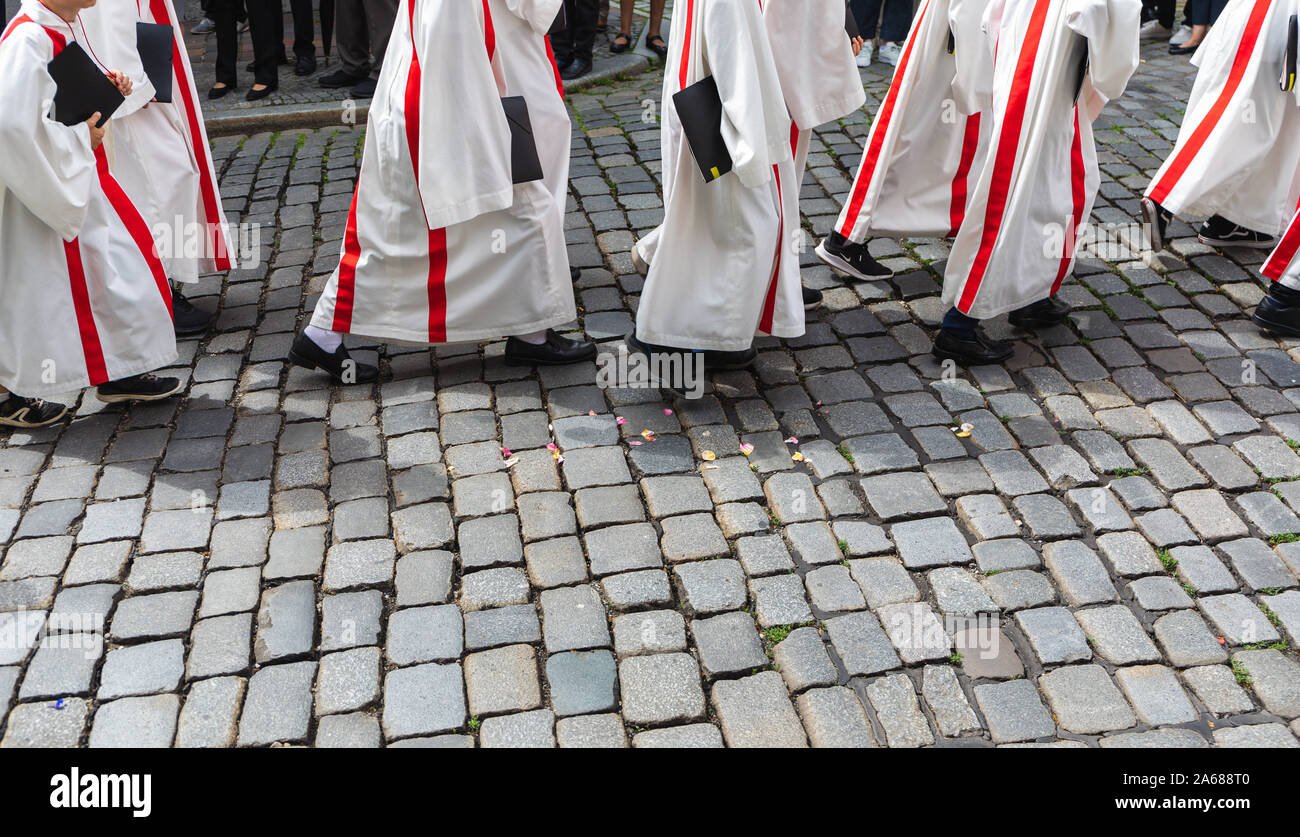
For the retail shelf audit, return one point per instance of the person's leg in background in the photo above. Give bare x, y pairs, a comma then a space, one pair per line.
353, 45
1158, 18
380, 15
580, 37
205, 26
224, 24
867, 15
1203, 13
304, 37
897, 20
265, 20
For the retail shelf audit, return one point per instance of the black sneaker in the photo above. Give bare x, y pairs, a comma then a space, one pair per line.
1044, 313
341, 367
337, 79
811, 298
1156, 221
17, 411
557, 350
1218, 231
186, 319
146, 387
851, 259
1277, 315
977, 350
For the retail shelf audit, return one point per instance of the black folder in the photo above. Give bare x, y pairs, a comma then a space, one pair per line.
525, 166
851, 23
155, 42
82, 88
1289, 63
699, 108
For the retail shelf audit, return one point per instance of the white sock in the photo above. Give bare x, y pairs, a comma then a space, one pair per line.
537, 338
327, 340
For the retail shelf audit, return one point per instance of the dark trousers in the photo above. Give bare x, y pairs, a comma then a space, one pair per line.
1205, 12
896, 22
226, 14
363, 27
575, 43
266, 25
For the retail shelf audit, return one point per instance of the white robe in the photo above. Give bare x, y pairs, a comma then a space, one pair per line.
1238, 151
819, 80
930, 137
1017, 242
722, 268
440, 246
160, 153
1284, 264
83, 296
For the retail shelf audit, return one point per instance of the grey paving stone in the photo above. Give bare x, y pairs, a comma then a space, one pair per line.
862, 644
695, 736
360, 564
1255, 735
43, 725
135, 722
952, 712
957, 592
1014, 711
1012, 474
763, 555
1236, 618
894, 699
649, 632
278, 705
660, 689
834, 717
1217, 688
901, 496
423, 578
222, 645
1004, 554
591, 731
154, 615
1198, 567
581, 682
350, 619
1019, 589
931, 542
502, 680
832, 589
1275, 680
425, 634
573, 619
348, 680
1117, 635
1054, 635
1128, 554
1046, 517
1258, 566
756, 711
1209, 515
727, 644
1079, 573
915, 631
708, 587
210, 715
1085, 701
495, 541
1157, 593
502, 626
423, 700
144, 669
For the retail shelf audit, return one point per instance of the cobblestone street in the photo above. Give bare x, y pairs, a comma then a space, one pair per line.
808, 555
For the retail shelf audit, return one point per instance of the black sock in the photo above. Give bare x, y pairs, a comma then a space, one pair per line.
959, 325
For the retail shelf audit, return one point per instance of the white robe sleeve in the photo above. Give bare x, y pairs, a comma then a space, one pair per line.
730, 53
539, 14
464, 137
1111, 27
972, 85
109, 28
49, 166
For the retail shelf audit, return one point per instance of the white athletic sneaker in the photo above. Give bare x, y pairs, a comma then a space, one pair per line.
864, 57
1183, 33
1154, 29
889, 52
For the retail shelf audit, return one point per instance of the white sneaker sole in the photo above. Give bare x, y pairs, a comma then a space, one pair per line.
844, 268
121, 399
1248, 245
8, 422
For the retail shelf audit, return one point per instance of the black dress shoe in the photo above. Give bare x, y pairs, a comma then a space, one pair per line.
305, 65
146, 387
364, 89
555, 351
564, 63
1156, 219
1183, 49
1044, 313
713, 358
577, 69
186, 319
811, 298
1274, 314
254, 94
622, 43
657, 45
339, 364
337, 79
218, 92
977, 350
851, 259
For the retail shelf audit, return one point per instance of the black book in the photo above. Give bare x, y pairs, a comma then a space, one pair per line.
525, 166
82, 88
155, 42
1289, 62
851, 23
699, 108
